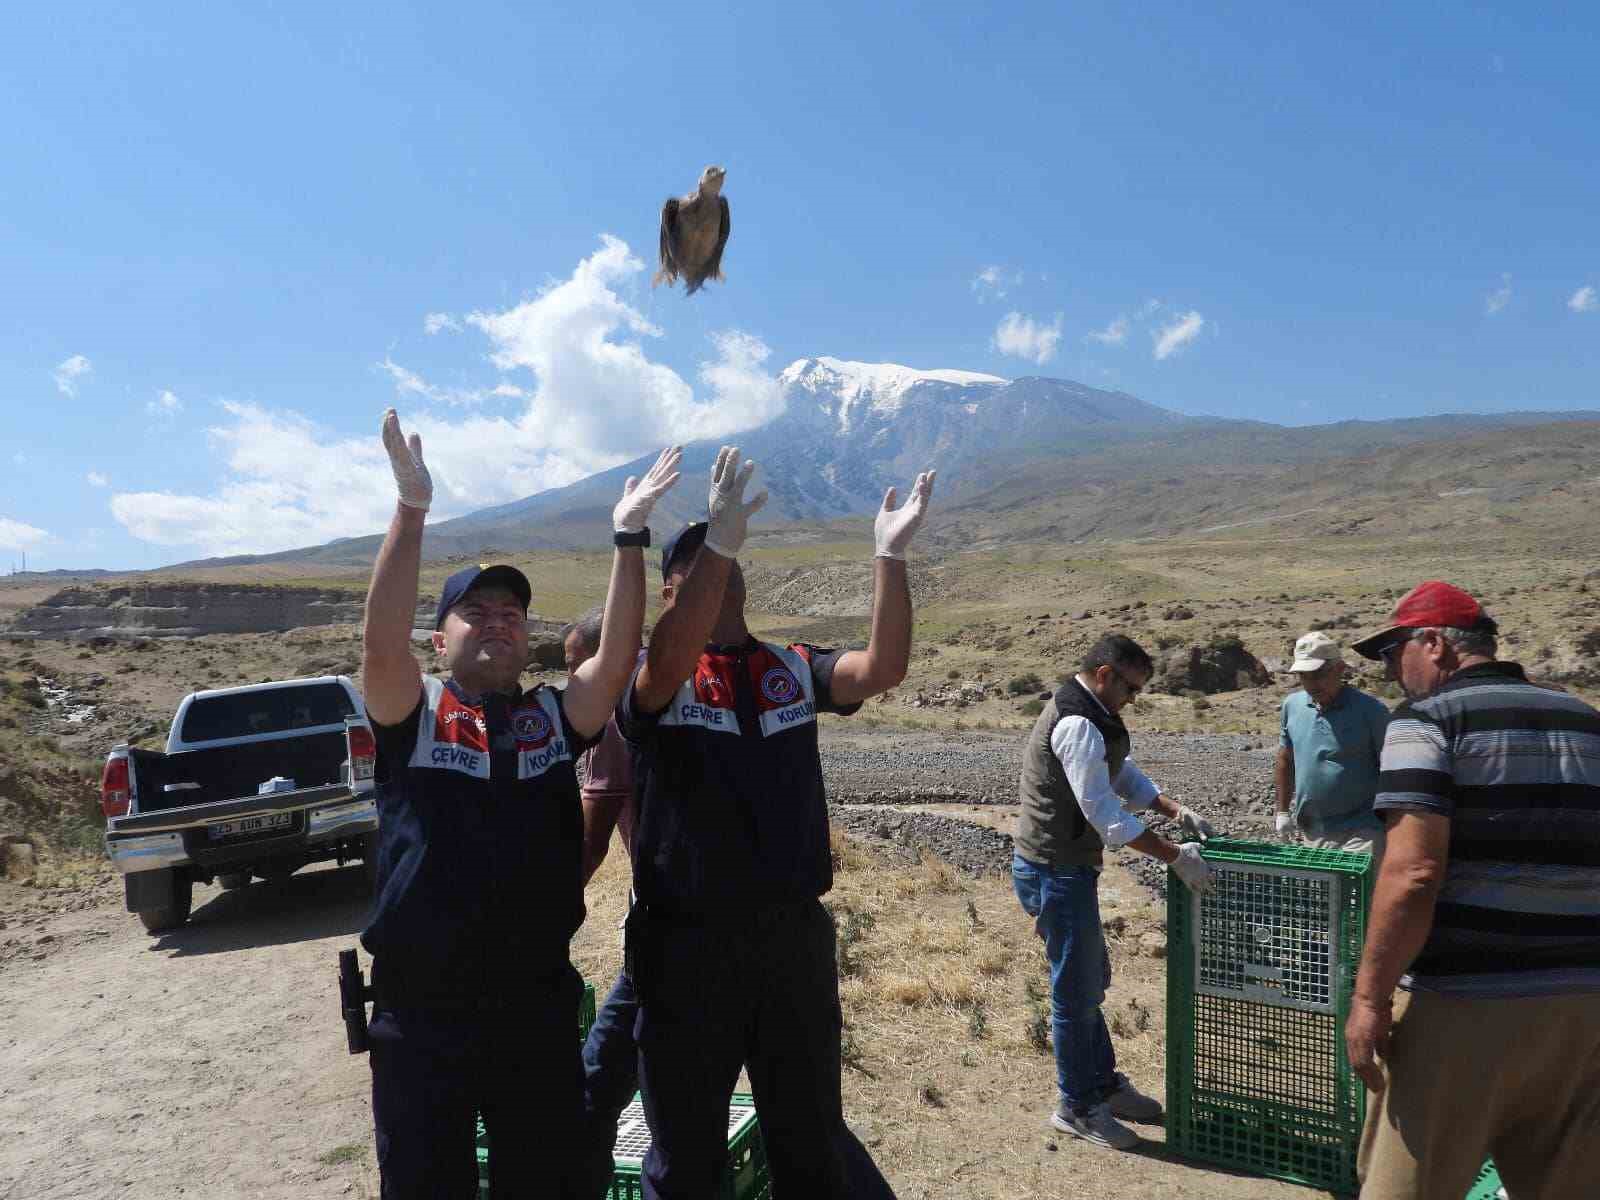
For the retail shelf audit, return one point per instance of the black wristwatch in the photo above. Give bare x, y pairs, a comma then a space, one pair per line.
642, 538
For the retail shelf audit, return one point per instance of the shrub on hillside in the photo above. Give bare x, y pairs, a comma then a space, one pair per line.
1021, 685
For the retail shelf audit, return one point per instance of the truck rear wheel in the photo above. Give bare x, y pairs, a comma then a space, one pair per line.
159, 920
233, 880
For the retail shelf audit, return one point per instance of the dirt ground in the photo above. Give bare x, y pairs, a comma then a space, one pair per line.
211, 1061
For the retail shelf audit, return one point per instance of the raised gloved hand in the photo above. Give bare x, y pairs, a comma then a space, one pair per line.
1283, 826
410, 472
729, 512
1192, 869
893, 528
1194, 824
639, 496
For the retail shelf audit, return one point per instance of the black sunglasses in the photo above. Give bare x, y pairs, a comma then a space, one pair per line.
1391, 651
1133, 688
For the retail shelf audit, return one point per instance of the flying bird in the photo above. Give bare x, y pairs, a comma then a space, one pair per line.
694, 229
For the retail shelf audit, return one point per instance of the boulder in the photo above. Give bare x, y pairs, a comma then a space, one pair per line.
1221, 665
20, 862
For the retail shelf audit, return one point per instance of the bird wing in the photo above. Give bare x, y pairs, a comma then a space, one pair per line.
714, 263
668, 271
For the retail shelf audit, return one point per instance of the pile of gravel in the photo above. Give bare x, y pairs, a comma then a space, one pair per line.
1226, 778
975, 849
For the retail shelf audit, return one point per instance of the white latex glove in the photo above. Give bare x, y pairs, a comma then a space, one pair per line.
729, 513
410, 472
1194, 824
1192, 869
639, 496
893, 528
1283, 826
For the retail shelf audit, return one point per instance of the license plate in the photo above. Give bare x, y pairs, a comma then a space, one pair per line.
245, 825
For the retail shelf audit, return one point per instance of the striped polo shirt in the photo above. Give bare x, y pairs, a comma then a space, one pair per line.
1516, 768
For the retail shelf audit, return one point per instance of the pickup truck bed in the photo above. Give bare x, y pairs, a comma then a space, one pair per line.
226, 772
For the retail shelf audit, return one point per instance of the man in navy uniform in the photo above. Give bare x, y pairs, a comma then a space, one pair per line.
480, 864
728, 946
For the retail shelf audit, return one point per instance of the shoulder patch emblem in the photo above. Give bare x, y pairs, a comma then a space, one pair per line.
780, 686
531, 725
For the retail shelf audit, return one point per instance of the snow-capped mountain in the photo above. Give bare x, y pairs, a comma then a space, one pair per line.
849, 430
845, 391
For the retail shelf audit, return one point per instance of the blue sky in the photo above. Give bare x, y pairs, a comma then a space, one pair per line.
224, 229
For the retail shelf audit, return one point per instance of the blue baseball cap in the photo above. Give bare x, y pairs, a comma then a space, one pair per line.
468, 578
682, 545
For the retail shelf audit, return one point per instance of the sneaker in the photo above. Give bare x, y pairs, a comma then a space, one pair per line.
1097, 1126
1129, 1103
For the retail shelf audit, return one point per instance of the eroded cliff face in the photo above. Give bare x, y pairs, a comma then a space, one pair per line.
176, 610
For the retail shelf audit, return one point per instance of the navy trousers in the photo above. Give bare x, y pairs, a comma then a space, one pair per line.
434, 1071
758, 990
611, 1059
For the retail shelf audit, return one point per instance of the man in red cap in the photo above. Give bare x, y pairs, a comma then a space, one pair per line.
1486, 916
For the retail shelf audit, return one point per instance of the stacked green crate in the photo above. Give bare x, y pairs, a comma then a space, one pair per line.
746, 1177
1487, 1185
1259, 978
586, 1012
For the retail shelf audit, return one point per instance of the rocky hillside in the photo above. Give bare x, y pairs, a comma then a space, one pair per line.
166, 609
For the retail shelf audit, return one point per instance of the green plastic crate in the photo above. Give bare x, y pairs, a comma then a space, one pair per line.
747, 1176
1259, 978
586, 1012
1487, 1186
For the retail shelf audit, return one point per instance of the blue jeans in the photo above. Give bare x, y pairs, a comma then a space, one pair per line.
1065, 905
611, 1059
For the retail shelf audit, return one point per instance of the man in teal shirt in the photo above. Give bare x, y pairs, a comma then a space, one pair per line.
1327, 767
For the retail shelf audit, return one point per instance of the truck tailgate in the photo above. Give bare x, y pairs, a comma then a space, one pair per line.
170, 819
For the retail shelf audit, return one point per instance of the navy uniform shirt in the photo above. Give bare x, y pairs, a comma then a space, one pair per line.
480, 864
729, 781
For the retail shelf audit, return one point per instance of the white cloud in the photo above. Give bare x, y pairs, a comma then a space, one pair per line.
1113, 334
1584, 300
1500, 297
69, 371
436, 321
408, 383
1174, 337
20, 458
1023, 337
14, 535
595, 400
164, 405
994, 282
95, 479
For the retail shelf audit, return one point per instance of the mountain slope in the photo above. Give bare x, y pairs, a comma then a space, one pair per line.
1023, 458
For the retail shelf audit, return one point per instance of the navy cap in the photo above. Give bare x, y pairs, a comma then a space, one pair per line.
681, 545
468, 578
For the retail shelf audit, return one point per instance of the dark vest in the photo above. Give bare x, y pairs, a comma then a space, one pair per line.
480, 860
1051, 829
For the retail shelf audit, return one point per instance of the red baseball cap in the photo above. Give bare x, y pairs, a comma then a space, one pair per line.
1432, 602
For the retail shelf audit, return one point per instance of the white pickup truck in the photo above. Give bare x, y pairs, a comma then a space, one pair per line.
255, 781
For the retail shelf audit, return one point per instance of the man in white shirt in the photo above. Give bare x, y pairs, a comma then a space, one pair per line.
1079, 791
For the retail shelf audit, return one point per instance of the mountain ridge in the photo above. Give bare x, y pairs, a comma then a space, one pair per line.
849, 430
